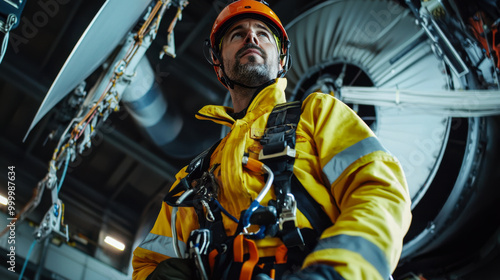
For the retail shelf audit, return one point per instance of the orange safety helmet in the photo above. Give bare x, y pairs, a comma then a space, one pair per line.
247, 9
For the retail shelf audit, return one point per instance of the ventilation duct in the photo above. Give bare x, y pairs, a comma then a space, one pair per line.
176, 135
144, 100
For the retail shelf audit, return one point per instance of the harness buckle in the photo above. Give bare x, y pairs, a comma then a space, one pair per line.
287, 151
288, 213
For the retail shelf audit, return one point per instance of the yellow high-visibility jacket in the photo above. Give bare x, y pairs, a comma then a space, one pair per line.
340, 163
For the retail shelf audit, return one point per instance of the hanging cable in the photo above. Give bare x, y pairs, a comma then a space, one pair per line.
68, 157
225, 211
27, 260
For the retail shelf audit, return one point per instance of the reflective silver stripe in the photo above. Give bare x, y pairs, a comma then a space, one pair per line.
161, 244
369, 251
342, 160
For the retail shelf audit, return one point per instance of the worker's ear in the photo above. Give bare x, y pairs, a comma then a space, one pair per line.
219, 72
282, 62
216, 56
215, 59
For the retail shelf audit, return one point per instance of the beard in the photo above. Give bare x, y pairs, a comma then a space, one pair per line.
252, 73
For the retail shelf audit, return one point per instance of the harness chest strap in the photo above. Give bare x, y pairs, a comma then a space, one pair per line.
278, 152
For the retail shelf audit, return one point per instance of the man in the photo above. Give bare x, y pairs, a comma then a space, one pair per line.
338, 167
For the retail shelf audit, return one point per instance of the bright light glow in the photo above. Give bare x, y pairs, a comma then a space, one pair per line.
115, 243
3, 200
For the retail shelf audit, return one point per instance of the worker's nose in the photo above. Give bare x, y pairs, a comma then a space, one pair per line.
252, 38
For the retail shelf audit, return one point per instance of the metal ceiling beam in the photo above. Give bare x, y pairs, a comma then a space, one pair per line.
26, 83
60, 35
120, 176
195, 33
142, 155
206, 83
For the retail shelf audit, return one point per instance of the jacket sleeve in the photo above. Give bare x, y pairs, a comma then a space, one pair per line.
367, 185
158, 244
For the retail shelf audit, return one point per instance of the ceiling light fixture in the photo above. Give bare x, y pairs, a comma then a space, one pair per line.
3, 200
115, 243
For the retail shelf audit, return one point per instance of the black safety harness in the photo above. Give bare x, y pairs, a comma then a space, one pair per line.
209, 245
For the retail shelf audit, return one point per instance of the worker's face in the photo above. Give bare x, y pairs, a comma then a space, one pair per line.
249, 53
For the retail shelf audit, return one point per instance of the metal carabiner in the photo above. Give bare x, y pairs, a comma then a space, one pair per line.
256, 166
208, 213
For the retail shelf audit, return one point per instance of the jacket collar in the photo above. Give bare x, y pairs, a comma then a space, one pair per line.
267, 97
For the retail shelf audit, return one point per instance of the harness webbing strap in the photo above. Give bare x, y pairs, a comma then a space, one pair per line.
281, 254
239, 250
278, 138
211, 259
277, 142
310, 208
